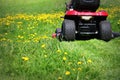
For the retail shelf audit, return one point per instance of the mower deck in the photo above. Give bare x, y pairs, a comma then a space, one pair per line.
58, 35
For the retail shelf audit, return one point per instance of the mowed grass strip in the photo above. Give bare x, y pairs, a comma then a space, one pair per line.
28, 52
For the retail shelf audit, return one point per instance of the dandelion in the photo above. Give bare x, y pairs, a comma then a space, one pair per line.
32, 35
73, 69
19, 23
79, 69
64, 58
6, 33
45, 56
89, 61
58, 51
69, 63
19, 36
3, 39
67, 73
37, 39
59, 78
25, 58
35, 33
8, 23
44, 37
43, 46
79, 63
118, 22
65, 53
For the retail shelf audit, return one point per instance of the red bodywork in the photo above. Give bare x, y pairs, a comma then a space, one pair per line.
72, 12
76, 13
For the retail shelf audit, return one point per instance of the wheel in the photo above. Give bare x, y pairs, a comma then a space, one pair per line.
58, 30
58, 34
116, 34
68, 30
105, 30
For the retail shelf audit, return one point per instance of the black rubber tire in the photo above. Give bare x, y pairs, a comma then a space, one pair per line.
68, 30
116, 34
105, 30
58, 34
58, 30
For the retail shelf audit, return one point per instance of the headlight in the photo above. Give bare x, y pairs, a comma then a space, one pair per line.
86, 17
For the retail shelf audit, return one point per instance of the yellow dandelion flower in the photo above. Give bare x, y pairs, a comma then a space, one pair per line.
43, 46
79, 69
69, 63
25, 58
3, 39
44, 37
73, 69
79, 63
20, 37
89, 61
64, 58
6, 33
65, 53
59, 78
67, 73
35, 33
8, 23
58, 51
45, 56
19, 23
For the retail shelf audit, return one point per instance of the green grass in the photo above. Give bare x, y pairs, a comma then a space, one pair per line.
30, 7
27, 51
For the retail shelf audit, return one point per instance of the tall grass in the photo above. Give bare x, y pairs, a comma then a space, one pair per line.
27, 51
13, 7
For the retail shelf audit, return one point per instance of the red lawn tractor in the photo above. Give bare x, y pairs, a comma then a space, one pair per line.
81, 21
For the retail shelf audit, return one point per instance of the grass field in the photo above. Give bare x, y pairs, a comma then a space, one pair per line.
28, 52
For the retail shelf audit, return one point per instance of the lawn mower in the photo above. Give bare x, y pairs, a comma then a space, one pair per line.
82, 21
